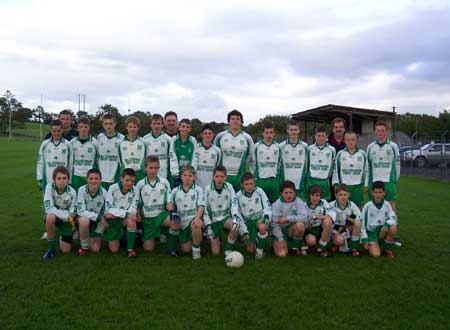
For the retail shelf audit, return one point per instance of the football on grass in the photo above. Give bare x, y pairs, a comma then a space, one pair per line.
234, 259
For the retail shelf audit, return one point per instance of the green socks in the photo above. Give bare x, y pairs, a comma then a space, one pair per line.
261, 241
172, 239
131, 237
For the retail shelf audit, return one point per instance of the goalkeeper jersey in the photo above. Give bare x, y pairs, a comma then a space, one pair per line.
121, 204
206, 159
237, 151
91, 206
153, 196
186, 203
84, 155
350, 210
181, 153
384, 162
254, 205
159, 146
320, 161
220, 204
322, 208
267, 160
51, 155
293, 162
373, 216
108, 155
62, 205
351, 168
295, 211
132, 154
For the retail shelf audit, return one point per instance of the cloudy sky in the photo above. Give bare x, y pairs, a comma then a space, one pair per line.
204, 58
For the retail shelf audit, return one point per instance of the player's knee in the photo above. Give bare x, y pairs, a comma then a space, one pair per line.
186, 248
338, 240
95, 248
392, 230
374, 253
281, 252
310, 240
50, 218
326, 223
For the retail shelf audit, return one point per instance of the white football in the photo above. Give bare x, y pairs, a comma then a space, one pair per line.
234, 259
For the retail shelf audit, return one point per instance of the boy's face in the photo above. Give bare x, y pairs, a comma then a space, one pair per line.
56, 132
152, 169
93, 181
268, 135
235, 122
132, 129
109, 125
157, 126
350, 141
321, 138
381, 133
185, 129
207, 136
342, 196
127, 181
219, 178
187, 178
61, 181
171, 123
288, 194
83, 130
66, 120
378, 194
248, 185
293, 131
315, 198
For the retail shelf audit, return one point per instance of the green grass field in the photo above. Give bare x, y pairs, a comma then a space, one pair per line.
154, 291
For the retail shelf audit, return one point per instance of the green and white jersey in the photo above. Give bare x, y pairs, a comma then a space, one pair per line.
374, 216
159, 146
254, 206
91, 206
153, 196
293, 162
108, 155
207, 159
61, 205
181, 154
220, 204
351, 169
320, 161
350, 210
121, 204
267, 160
237, 151
384, 162
84, 155
294, 211
132, 154
51, 155
322, 208
186, 203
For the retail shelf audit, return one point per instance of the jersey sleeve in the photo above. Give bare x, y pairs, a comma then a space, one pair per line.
335, 177
206, 216
329, 210
50, 206
251, 158
81, 205
355, 211
364, 220
276, 211
201, 196
194, 158
111, 207
267, 210
40, 162
392, 218
397, 161
173, 160
70, 158
234, 207
366, 170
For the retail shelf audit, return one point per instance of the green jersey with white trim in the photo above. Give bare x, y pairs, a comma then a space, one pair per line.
181, 153
351, 168
384, 162
254, 206
121, 204
267, 160
51, 155
237, 151
322, 208
220, 204
132, 154
207, 159
293, 162
187, 203
373, 217
84, 155
108, 155
91, 206
153, 196
159, 146
350, 210
320, 161
62, 205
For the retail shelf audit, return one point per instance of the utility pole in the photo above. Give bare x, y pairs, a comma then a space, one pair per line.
40, 120
394, 123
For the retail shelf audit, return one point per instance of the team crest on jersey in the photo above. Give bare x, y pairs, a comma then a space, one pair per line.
241, 142
89, 150
244, 205
300, 152
154, 200
125, 148
320, 161
351, 165
139, 148
286, 152
156, 150
163, 144
193, 197
313, 154
116, 144
161, 191
233, 147
146, 194
328, 155
359, 158
225, 140
99, 204
388, 152
130, 199
213, 156
185, 206
275, 152
63, 151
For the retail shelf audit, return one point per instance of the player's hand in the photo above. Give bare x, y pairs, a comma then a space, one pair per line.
169, 206
235, 224
209, 233
365, 189
282, 220
105, 223
366, 246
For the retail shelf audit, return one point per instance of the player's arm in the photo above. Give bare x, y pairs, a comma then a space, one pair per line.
70, 159
251, 160
195, 152
366, 172
50, 207
391, 217
397, 161
335, 177
207, 212
81, 206
173, 160
267, 211
40, 164
276, 212
364, 220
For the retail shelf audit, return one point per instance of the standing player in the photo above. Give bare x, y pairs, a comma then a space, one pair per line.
66, 118
157, 143
84, 148
132, 149
59, 203
336, 139
207, 157
320, 163
351, 169
384, 165
90, 209
236, 147
108, 151
294, 158
267, 159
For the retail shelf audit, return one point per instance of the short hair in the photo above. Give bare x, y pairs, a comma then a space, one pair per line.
338, 120
156, 117
151, 159
185, 121
287, 184
84, 120
293, 122
188, 168
60, 169
247, 176
349, 132
320, 129
56, 122
129, 172
93, 171
315, 189
235, 113
108, 116
207, 127
134, 120
268, 125
381, 123
341, 187
378, 185
66, 112
220, 168
170, 113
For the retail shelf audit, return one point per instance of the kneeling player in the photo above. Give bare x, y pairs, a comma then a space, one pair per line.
90, 208
379, 223
255, 209
121, 207
59, 204
189, 204
320, 217
289, 217
348, 221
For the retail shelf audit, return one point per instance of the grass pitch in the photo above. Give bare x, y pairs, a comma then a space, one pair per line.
154, 291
